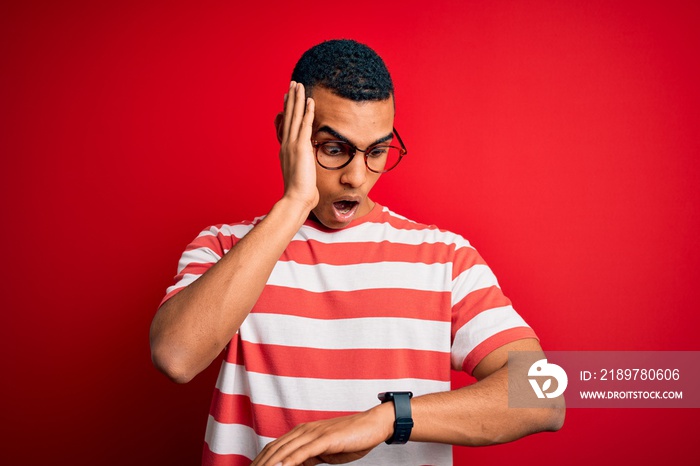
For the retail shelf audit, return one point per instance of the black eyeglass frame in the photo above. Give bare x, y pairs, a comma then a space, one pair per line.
354, 149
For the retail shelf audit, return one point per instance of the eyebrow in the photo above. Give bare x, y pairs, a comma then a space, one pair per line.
337, 135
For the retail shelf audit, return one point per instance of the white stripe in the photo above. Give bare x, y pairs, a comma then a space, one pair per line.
410, 454
476, 277
233, 439
199, 256
311, 394
324, 277
482, 326
371, 332
371, 232
394, 214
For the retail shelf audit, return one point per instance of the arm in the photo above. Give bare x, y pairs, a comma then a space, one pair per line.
474, 415
193, 327
479, 414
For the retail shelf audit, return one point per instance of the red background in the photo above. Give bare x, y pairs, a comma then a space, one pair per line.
559, 137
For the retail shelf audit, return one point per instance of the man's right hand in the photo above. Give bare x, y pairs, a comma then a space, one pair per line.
296, 151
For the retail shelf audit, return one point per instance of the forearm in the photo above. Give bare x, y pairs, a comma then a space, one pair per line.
478, 415
192, 328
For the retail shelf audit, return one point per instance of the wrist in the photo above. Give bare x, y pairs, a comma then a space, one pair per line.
385, 419
294, 208
403, 420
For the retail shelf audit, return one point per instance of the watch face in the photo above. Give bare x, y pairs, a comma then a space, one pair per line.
388, 396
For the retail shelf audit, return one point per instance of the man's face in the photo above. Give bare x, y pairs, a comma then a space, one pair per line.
343, 193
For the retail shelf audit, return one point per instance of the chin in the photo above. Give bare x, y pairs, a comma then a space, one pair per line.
333, 224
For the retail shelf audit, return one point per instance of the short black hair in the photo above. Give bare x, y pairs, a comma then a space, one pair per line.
347, 68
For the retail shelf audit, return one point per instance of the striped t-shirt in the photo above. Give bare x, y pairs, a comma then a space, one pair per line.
385, 304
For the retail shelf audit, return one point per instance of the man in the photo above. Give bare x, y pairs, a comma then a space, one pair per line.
330, 299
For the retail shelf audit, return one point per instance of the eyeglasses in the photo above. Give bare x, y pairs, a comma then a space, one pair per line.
379, 158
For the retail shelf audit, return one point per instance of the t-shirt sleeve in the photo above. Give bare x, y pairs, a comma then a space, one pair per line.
203, 252
483, 318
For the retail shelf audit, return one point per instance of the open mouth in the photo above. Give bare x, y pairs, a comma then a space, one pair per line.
344, 207
344, 210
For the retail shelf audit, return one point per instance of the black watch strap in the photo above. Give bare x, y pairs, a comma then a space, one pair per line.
403, 422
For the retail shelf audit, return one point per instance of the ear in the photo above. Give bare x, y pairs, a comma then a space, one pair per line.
279, 123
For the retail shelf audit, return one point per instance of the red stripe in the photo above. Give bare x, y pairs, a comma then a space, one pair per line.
475, 303
493, 342
415, 304
353, 364
464, 259
405, 224
233, 352
406, 303
313, 252
170, 295
194, 268
212, 242
232, 409
209, 458
270, 421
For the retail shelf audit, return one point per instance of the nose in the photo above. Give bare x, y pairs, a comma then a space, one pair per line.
355, 173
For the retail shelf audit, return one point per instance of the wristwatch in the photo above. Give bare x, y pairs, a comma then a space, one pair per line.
402, 409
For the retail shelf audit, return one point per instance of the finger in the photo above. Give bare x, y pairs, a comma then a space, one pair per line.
308, 121
305, 453
273, 447
288, 105
282, 448
298, 112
